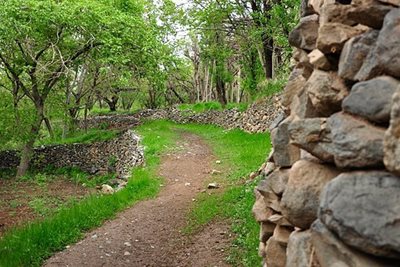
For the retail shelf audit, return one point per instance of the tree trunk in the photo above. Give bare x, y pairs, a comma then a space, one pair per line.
48, 126
27, 150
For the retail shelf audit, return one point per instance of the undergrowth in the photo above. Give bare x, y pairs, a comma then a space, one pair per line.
80, 136
31, 244
207, 106
240, 153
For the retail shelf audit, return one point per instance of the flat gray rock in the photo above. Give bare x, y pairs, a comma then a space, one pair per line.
354, 53
300, 201
332, 252
356, 143
372, 99
363, 209
385, 57
392, 139
304, 36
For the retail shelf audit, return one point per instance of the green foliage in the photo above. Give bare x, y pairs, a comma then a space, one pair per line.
240, 106
82, 137
206, 106
269, 88
241, 153
201, 107
32, 244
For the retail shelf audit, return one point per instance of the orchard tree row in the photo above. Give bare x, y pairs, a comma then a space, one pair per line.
60, 59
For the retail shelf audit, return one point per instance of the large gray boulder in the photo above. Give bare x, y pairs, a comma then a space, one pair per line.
332, 252
332, 36
372, 99
366, 12
277, 180
300, 201
363, 209
392, 138
301, 106
304, 36
356, 143
392, 2
385, 57
285, 154
299, 249
354, 52
276, 253
293, 87
326, 91
312, 135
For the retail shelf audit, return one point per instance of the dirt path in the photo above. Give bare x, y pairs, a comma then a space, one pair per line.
148, 234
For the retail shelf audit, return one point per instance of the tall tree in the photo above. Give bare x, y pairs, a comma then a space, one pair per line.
41, 40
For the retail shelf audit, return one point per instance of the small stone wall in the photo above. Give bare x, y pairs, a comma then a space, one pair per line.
117, 155
257, 118
330, 193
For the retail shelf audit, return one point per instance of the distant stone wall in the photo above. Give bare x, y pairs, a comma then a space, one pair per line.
117, 155
257, 118
330, 193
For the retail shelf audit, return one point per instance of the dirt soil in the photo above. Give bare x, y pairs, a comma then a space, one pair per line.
149, 233
17, 198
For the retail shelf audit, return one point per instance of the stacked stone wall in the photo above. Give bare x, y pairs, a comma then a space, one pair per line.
257, 118
117, 155
330, 193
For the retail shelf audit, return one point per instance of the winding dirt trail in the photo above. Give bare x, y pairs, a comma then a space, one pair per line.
149, 233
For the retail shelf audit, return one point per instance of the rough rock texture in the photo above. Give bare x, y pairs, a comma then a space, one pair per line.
300, 201
304, 36
312, 135
326, 91
285, 154
372, 99
302, 107
363, 209
355, 143
282, 233
366, 12
299, 249
332, 36
354, 52
276, 181
257, 118
294, 86
392, 2
341, 116
319, 60
388, 61
119, 155
330, 251
392, 138
276, 253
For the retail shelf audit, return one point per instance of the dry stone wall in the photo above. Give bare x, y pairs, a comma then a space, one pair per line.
330, 193
257, 118
117, 155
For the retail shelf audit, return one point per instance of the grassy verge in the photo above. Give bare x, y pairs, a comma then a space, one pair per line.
31, 244
207, 106
82, 137
240, 153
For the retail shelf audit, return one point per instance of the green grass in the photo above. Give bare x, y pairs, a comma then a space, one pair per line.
269, 87
31, 244
207, 106
240, 154
81, 136
201, 107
